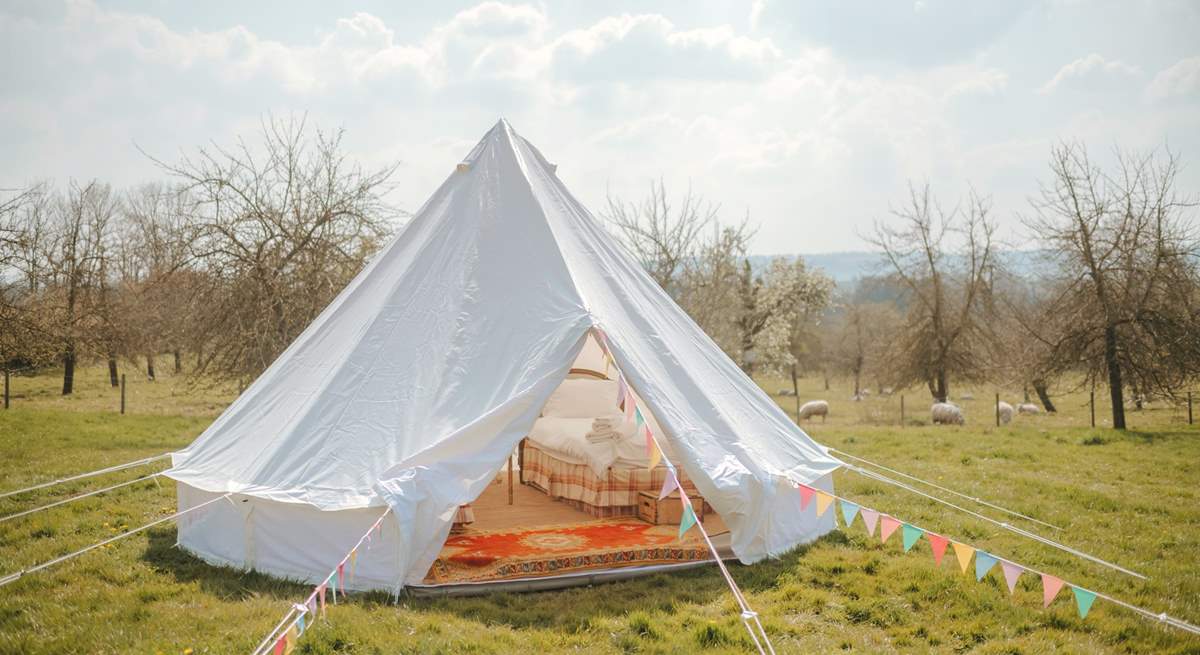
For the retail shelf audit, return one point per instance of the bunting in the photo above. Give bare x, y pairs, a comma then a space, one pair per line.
291, 637
620, 390
806, 496
870, 517
938, 544
655, 453
983, 563
887, 526
689, 515
669, 484
824, 500
1083, 600
849, 511
280, 644
963, 552
1050, 588
353, 563
637, 417
341, 577
911, 535
1011, 573
332, 584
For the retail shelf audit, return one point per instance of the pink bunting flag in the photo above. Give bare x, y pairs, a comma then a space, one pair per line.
321, 596
341, 573
1050, 588
620, 390
669, 484
806, 495
938, 543
280, 645
1011, 573
887, 525
870, 518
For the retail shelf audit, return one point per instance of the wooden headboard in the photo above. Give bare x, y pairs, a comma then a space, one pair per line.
588, 372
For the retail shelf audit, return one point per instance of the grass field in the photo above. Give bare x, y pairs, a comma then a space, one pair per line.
1130, 498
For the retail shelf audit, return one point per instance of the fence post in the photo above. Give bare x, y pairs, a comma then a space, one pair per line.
997, 410
1092, 403
6, 396
122, 393
901, 410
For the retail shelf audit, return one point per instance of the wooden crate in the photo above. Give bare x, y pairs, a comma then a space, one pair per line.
666, 511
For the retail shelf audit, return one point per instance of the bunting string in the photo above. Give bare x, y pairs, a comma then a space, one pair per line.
72, 499
89, 474
12, 577
1006, 526
984, 561
939, 487
300, 616
654, 452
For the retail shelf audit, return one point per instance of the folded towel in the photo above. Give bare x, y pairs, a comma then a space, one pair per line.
610, 422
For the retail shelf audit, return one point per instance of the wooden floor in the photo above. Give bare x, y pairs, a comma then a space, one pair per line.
532, 508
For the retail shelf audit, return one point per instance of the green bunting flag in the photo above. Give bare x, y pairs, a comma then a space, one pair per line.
911, 535
1083, 600
687, 520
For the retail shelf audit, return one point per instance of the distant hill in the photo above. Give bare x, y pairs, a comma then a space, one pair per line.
847, 267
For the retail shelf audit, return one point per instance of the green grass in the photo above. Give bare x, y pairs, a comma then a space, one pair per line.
1130, 498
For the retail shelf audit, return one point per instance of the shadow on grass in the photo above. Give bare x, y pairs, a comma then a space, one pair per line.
224, 582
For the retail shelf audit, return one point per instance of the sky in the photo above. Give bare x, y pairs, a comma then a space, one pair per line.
809, 117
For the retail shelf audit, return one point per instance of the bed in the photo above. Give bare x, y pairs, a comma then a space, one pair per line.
602, 479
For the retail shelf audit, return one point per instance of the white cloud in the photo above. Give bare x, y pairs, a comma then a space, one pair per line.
1087, 70
1179, 80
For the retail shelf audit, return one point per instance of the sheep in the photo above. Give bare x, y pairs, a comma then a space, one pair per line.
785, 392
1005, 412
967, 396
1028, 408
814, 408
858, 397
947, 414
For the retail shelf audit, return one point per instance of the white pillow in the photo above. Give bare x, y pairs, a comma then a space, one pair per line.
583, 398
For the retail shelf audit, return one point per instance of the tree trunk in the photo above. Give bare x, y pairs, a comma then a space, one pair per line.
1115, 388
69, 370
178, 363
150, 367
826, 376
1043, 394
938, 387
796, 389
857, 387
112, 371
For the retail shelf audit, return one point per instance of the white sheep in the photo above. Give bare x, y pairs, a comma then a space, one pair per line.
967, 396
814, 408
947, 414
1005, 412
1028, 408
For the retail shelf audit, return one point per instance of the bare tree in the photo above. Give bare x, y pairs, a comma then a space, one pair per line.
942, 258
1125, 307
280, 228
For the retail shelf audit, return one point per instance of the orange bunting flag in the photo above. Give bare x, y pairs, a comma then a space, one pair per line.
353, 563
887, 525
824, 500
963, 552
806, 495
1050, 588
938, 543
870, 518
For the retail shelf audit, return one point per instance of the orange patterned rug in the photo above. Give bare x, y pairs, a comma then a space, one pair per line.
554, 550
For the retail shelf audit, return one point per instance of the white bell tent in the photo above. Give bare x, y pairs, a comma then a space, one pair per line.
413, 387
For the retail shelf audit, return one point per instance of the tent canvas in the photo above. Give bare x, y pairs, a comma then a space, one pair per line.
412, 388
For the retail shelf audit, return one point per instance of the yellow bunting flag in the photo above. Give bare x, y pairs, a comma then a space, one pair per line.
655, 455
963, 552
293, 636
353, 563
824, 500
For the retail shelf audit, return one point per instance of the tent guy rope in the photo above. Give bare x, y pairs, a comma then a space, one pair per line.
13, 577
89, 474
298, 610
64, 501
974, 499
1006, 526
1162, 617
